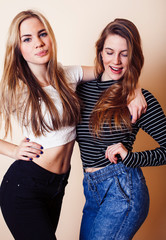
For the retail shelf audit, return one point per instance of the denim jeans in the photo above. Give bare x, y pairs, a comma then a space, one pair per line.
117, 203
30, 199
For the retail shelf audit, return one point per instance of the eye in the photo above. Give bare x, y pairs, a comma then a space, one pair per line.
109, 53
27, 40
124, 54
44, 34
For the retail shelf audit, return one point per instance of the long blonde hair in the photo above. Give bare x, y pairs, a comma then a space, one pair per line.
17, 75
113, 102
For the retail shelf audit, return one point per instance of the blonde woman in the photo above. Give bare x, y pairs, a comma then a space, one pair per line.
40, 93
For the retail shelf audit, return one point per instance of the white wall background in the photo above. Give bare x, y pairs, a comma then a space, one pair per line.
77, 25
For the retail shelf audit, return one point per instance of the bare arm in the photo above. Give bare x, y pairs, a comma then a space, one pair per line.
88, 73
26, 150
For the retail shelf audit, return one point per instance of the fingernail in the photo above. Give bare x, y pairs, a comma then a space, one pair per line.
27, 139
41, 147
37, 156
41, 152
31, 159
131, 117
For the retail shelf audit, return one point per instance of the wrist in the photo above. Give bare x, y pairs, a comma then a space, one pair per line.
124, 154
14, 151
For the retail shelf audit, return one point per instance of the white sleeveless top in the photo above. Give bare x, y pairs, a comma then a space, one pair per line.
65, 134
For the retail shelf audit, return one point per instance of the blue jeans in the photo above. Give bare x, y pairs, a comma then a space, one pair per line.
117, 203
30, 199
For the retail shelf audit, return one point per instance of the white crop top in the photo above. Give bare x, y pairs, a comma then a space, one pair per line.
64, 135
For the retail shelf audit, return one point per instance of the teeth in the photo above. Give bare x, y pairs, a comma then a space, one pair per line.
115, 69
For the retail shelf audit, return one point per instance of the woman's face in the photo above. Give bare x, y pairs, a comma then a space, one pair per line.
115, 57
35, 43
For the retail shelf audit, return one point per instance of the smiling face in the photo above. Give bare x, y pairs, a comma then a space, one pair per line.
114, 57
35, 43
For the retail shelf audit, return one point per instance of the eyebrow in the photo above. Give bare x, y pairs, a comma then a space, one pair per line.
28, 35
108, 48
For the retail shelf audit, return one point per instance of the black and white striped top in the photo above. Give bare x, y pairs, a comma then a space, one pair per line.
93, 149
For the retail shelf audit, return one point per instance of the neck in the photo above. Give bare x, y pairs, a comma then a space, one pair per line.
40, 72
104, 78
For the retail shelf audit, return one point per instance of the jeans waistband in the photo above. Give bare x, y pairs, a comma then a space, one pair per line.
107, 172
29, 168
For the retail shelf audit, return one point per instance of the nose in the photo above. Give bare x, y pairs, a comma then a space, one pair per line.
39, 43
117, 59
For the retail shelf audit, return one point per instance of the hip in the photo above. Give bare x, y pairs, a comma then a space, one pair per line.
115, 182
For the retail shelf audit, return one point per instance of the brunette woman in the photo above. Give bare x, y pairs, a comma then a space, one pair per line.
117, 199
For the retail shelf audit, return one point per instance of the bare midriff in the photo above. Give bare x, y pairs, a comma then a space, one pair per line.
56, 159
92, 169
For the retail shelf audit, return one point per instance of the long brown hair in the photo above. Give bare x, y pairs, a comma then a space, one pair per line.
19, 85
113, 102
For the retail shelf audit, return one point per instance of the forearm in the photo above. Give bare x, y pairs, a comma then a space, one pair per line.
154, 157
7, 149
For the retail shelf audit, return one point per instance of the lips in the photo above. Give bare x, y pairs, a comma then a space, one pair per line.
42, 53
116, 70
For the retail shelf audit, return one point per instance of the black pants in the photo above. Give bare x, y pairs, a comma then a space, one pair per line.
31, 199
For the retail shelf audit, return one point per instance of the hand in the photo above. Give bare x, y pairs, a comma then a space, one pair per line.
137, 106
27, 150
115, 149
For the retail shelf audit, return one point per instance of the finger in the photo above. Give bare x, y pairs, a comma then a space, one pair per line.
112, 156
112, 147
130, 110
112, 160
144, 104
33, 150
25, 158
35, 145
32, 145
25, 139
144, 109
134, 115
26, 142
30, 155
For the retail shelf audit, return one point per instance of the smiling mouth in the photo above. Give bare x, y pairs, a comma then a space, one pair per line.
116, 70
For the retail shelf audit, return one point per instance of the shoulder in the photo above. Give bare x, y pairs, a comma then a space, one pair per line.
149, 96
153, 104
73, 73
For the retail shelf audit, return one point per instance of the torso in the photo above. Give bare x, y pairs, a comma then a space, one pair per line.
93, 149
58, 144
56, 159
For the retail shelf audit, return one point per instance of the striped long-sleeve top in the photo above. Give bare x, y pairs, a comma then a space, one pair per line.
93, 148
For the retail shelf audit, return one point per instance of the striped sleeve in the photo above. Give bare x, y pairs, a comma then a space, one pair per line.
152, 122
